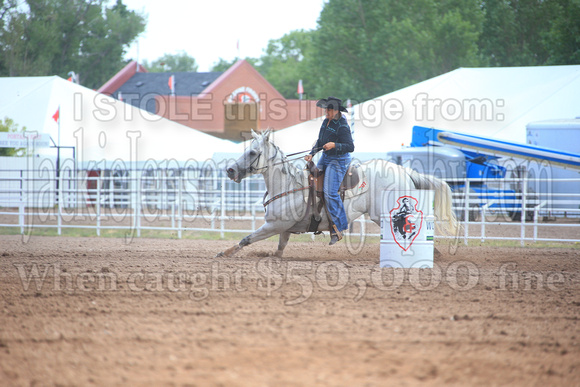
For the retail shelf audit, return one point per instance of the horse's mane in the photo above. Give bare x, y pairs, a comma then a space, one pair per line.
285, 163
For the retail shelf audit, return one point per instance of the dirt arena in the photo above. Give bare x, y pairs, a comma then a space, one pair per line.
105, 311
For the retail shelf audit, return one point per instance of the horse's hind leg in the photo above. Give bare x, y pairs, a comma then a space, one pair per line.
284, 237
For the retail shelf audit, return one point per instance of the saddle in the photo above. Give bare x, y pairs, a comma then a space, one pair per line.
316, 190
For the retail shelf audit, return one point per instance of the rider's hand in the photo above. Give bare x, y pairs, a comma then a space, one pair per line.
308, 158
329, 145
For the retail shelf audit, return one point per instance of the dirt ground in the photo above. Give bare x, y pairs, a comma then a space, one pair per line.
105, 311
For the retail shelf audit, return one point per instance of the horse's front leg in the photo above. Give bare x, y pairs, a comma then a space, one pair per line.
264, 232
284, 237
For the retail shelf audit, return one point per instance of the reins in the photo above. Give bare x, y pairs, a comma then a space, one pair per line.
284, 160
298, 153
294, 154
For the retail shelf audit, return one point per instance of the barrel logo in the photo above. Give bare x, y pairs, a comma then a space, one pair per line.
406, 221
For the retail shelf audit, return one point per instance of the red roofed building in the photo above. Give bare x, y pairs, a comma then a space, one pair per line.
226, 105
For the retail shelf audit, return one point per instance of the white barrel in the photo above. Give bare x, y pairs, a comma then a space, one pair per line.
407, 228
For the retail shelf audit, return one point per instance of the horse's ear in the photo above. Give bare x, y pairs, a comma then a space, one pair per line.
266, 134
254, 134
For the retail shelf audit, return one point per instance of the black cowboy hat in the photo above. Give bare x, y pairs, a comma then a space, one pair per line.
332, 103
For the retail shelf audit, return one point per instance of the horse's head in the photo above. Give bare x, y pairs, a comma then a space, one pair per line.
255, 159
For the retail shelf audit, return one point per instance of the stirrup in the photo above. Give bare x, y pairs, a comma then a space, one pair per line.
335, 236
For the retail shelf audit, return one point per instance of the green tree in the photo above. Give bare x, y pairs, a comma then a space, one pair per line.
286, 61
363, 49
512, 32
180, 62
366, 49
8, 125
222, 65
530, 32
562, 40
48, 37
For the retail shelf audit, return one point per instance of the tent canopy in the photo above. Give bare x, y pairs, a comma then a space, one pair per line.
490, 102
101, 128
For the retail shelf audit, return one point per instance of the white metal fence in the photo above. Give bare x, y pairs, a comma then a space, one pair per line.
520, 209
191, 200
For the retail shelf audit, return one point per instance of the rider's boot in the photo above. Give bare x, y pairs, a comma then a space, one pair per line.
335, 236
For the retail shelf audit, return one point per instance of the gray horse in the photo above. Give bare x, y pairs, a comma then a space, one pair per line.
286, 211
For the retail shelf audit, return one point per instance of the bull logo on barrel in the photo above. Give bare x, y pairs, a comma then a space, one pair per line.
406, 221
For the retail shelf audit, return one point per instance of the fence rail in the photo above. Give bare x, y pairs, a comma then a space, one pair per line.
200, 200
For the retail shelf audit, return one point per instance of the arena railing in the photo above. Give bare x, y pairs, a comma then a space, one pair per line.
200, 202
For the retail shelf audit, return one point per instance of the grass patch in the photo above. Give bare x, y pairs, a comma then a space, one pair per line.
236, 237
507, 243
118, 233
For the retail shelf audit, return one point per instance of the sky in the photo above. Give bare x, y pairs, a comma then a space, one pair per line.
211, 29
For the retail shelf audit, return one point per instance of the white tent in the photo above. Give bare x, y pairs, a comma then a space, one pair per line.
99, 127
491, 102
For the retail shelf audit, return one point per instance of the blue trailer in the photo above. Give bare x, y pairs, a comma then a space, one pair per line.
456, 157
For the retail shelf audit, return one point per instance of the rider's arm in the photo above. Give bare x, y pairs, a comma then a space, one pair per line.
344, 143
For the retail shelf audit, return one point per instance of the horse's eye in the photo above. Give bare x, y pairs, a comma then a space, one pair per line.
253, 153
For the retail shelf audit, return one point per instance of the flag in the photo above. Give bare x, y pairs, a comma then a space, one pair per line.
72, 77
171, 84
300, 88
56, 115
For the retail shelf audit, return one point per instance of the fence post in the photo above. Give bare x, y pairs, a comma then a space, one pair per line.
21, 216
247, 195
523, 215
253, 214
111, 190
466, 213
536, 210
164, 193
98, 204
21, 206
179, 205
22, 186
223, 208
483, 208
59, 203
138, 203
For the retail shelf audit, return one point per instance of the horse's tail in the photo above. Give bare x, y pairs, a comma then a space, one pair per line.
447, 222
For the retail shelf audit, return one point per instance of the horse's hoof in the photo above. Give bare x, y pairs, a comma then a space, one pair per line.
228, 253
278, 254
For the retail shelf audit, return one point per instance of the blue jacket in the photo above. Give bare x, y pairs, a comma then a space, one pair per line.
338, 132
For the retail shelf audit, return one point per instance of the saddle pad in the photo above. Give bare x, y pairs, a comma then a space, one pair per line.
361, 187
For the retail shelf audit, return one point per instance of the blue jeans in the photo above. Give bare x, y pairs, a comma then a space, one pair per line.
335, 168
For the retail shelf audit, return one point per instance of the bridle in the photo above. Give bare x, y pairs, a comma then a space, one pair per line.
251, 168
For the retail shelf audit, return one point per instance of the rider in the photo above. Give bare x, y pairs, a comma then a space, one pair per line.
336, 142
